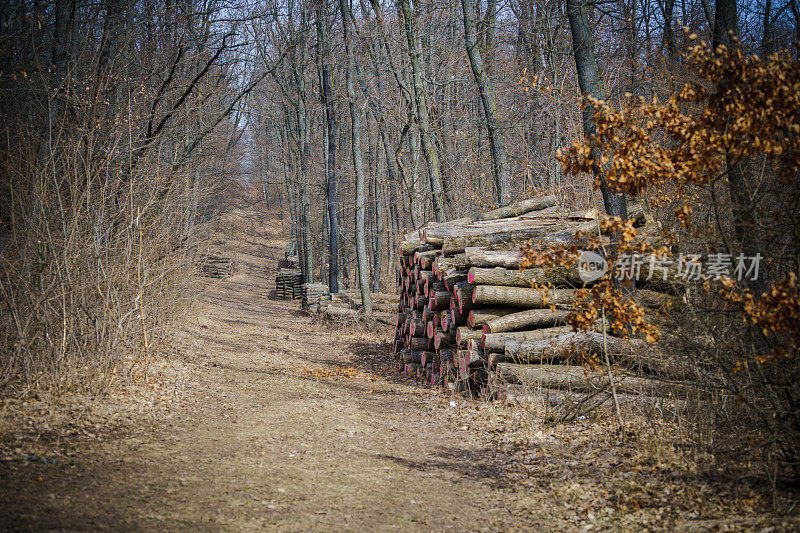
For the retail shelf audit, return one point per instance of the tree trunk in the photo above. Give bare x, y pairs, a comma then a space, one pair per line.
298, 57
358, 162
591, 84
323, 51
418, 75
726, 30
502, 178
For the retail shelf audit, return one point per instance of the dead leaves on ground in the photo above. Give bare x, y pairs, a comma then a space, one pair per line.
335, 374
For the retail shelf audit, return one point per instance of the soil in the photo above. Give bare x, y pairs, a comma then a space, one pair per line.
264, 418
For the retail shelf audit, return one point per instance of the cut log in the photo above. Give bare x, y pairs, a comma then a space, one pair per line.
444, 320
566, 345
384, 318
463, 293
444, 264
441, 300
453, 276
467, 360
481, 257
632, 353
519, 208
479, 317
532, 318
519, 297
496, 342
411, 247
432, 287
418, 356
419, 343
542, 235
420, 301
427, 314
558, 276
456, 316
427, 358
465, 334
425, 259
579, 379
532, 226
442, 338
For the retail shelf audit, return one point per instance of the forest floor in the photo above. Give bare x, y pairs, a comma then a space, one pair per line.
258, 417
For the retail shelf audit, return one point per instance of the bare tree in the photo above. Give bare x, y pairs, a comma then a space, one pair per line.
502, 178
358, 160
418, 73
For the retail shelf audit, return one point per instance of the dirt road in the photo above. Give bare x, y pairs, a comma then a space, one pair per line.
283, 423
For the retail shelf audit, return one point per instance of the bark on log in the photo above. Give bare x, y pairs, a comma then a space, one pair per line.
542, 236
496, 342
632, 353
419, 343
425, 259
416, 356
481, 257
445, 263
410, 247
434, 286
531, 318
465, 334
442, 338
447, 355
456, 316
417, 328
530, 226
565, 345
453, 276
577, 378
519, 208
519, 297
463, 293
479, 317
558, 276
441, 300
427, 358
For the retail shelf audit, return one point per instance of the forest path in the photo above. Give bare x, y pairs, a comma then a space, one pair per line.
284, 424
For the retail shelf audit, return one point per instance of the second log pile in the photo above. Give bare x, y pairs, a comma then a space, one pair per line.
216, 265
469, 320
347, 304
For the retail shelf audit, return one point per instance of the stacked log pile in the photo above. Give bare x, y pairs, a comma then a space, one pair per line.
311, 294
347, 304
288, 283
216, 265
469, 320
